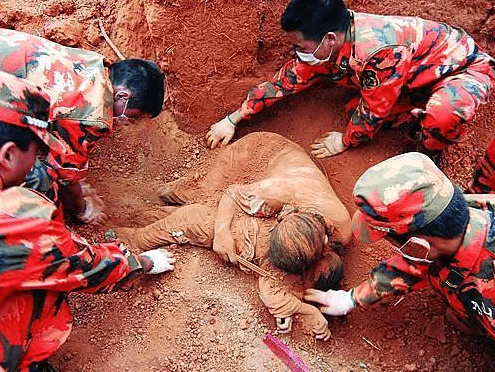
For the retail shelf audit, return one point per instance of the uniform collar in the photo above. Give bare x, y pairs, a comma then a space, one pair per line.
474, 239
342, 61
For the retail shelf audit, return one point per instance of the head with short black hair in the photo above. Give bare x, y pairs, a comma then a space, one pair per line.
144, 80
22, 137
315, 18
326, 273
297, 241
452, 222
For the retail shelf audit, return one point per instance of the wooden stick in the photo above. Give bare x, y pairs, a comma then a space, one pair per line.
253, 267
107, 39
369, 342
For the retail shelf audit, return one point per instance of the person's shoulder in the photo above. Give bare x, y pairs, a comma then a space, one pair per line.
19, 202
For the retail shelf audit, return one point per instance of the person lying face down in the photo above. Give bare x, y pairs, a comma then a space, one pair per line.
288, 220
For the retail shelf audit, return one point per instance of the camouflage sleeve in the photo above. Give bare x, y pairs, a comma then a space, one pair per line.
82, 137
382, 79
392, 277
481, 201
43, 254
293, 77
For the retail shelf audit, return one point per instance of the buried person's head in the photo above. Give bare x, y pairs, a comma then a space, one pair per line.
297, 241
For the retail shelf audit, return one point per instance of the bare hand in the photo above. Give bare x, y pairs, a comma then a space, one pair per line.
271, 207
325, 335
223, 244
93, 211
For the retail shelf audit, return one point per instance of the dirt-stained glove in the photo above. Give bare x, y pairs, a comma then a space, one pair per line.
161, 259
93, 212
220, 133
329, 145
332, 302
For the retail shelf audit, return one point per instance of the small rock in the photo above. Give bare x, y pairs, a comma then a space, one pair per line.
455, 351
157, 294
362, 365
411, 367
436, 329
421, 353
67, 32
93, 35
110, 236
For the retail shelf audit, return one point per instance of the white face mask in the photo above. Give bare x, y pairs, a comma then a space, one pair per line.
416, 249
310, 58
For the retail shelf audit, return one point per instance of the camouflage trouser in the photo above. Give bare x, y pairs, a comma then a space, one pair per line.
40, 180
33, 325
447, 108
483, 181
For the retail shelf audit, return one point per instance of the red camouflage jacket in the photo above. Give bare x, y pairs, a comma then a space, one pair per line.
40, 262
80, 91
383, 57
466, 280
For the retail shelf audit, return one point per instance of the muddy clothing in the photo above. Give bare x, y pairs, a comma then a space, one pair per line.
397, 64
80, 91
466, 280
290, 177
40, 262
194, 224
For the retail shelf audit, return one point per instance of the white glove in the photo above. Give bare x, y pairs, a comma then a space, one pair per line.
221, 131
162, 260
329, 145
334, 303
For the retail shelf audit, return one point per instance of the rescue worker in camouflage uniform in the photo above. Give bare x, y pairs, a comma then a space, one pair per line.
442, 238
40, 260
407, 70
85, 98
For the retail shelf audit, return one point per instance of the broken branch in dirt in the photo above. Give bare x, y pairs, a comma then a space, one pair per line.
107, 39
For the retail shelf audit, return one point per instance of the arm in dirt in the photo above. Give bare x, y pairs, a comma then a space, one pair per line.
261, 199
40, 253
282, 304
293, 77
82, 137
223, 242
393, 277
